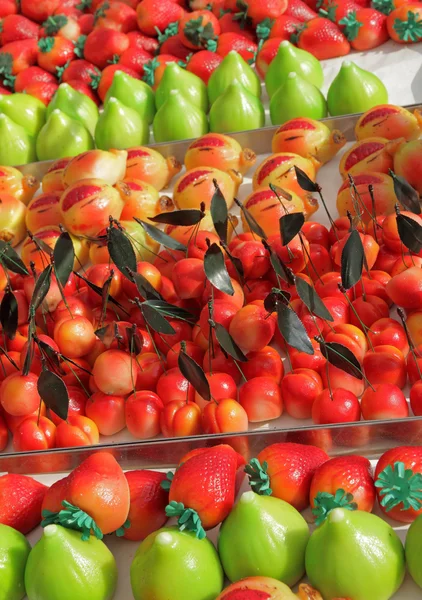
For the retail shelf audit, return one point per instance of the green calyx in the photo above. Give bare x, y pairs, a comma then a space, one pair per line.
263, 29
61, 70
79, 46
329, 12
114, 60
72, 517
326, 502
242, 15
121, 531
149, 71
101, 11
259, 480
53, 24
197, 33
46, 44
410, 30
294, 38
166, 483
400, 486
6, 66
187, 518
95, 81
384, 6
211, 45
169, 32
84, 5
351, 26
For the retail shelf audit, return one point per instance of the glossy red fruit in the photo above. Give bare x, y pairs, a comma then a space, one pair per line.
385, 401
341, 406
203, 64
102, 45
157, 14
322, 38
261, 398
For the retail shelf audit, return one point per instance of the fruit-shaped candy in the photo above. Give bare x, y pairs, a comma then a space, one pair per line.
148, 501
290, 59
196, 186
17, 146
278, 170
413, 549
43, 211
21, 498
178, 119
52, 181
176, 564
260, 587
183, 234
355, 90
141, 200
265, 536
355, 554
87, 205
296, 97
362, 203
87, 568
220, 152
120, 127
408, 161
98, 164
249, 113
267, 209
151, 166
308, 138
12, 219
134, 93
368, 156
13, 182
25, 110
75, 105
183, 82
145, 247
14, 552
62, 136
390, 122
233, 67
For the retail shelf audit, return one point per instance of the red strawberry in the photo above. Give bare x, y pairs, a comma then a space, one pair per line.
352, 474
21, 498
78, 69
71, 8
300, 10
398, 479
103, 45
336, 10
157, 14
20, 55
32, 75
61, 25
287, 469
54, 52
135, 59
266, 54
197, 28
115, 15
230, 24
106, 78
365, 28
206, 483
98, 487
232, 41
203, 64
143, 42
42, 90
257, 11
84, 88
284, 27
174, 45
215, 6
8, 7
86, 23
39, 10
4, 431
17, 27
322, 38
154, 69
148, 501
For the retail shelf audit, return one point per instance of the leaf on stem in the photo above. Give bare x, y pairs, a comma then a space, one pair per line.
293, 330
305, 182
121, 250
341, 357
406, 194
189, 216
53, 391
11, 260
312, 301
352, 260
250, 220
42, 286
194, 374
159, 236
64, 258
410, 232
155, 319
219, 213
290, 225
216, 270
9, 314
228, 344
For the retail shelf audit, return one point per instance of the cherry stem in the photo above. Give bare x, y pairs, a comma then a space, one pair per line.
401, 314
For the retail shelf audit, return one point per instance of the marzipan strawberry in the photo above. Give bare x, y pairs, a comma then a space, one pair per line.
21, 498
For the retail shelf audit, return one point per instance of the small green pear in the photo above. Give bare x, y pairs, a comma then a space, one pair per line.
133, 93
297, 98
75, 105
25, 110
355, 90
290, 59
413, 548
120, 127
17, 147
236, 110
14, 552
233, 67
61, 566
62, 136
178, 119
186, 83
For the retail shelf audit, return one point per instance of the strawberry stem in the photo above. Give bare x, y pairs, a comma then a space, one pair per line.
72, 517
351, 26
399, 486
326, 502
410, 30
259, 480
188, 518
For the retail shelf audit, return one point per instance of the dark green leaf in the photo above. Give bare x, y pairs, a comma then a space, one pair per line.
305, 182
406, 194
144, 287
278, 265
195, 375
310, 298
52, 389
9, 314
250, 220
236, 262
121, 250
99, 291
273, 298
352, 259
161, 237
293, 330
11, 260
216, 270
50, 353
410, 233
290, 225
30, 349
169, 310
64, 258
219, 213
104, 334
42, 285
228, 344
341, 357
42, 246
190, 216
155, 320
280, 193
